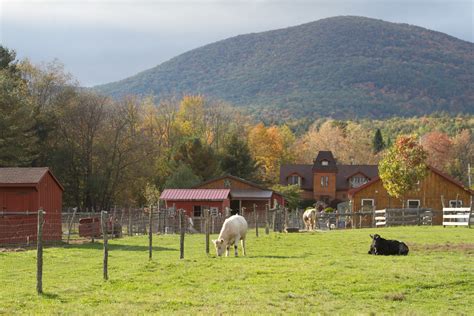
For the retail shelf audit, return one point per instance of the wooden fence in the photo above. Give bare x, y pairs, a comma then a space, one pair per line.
403, 217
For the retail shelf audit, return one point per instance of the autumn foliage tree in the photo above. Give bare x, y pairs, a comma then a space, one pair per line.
403, 166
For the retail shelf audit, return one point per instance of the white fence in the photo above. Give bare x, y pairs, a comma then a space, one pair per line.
456, 216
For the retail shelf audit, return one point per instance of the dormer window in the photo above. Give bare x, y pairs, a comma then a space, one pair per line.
324, 163
357, 181
294, 179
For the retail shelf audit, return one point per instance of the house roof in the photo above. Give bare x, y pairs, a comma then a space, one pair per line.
325, 156
195, 194
231, 177
433, 169
251, 194
18, 176
304, 171
343, 173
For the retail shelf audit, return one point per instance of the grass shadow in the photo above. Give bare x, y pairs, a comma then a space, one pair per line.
50, 296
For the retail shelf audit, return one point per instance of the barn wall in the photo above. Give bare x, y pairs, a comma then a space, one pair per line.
50, 199
330, 190
430, 191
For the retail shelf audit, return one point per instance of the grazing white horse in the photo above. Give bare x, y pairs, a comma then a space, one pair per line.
309, 219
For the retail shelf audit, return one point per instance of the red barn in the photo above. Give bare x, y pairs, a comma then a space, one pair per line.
23, 191
194, 201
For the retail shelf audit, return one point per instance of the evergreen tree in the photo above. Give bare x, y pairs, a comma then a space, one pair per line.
17, 138
378, 144
182, 178
200, 157
237, 160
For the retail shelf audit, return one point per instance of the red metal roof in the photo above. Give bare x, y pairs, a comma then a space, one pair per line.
195, 194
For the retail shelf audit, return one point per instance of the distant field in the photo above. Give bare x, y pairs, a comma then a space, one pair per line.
321, 272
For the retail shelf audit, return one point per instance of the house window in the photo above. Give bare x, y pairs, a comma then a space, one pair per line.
356, 182
367, 204
294, 180
324, 181
197, 211
324, 163
413, 203
455, 203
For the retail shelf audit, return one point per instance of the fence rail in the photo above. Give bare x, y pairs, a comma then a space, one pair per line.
457, 216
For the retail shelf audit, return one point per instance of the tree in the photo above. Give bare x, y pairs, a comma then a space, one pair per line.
378, 144
17, 138
182, 178
237, 160
403, 166
438, 147
200, 157
291, 193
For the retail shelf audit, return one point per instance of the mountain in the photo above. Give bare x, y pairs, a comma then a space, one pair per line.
344, 67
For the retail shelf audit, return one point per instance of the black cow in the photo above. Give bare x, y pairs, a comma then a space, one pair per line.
381, 246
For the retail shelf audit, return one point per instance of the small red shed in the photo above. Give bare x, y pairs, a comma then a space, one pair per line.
23, 191
194, 201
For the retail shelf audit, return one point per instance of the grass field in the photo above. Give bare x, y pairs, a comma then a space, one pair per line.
320, 272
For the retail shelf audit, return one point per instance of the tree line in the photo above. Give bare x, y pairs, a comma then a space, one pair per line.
107, 151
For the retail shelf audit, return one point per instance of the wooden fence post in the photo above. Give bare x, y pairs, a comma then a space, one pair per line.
130, 221
39, 253
286, 218
267, 229
255, 215
103, 218
70, 225
207, 228
150, 234
182, 219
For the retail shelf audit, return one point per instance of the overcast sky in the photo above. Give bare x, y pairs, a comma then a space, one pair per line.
107, 40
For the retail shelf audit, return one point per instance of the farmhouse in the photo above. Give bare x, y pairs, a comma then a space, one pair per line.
22, 192
325, 180
361, 186
219, 193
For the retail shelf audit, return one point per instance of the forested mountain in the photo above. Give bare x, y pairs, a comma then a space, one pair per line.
343, 67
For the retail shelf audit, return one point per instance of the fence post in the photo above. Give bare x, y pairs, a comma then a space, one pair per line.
267, 229
104, 223
206, 226
113, 221
150, 234
182, 219
286, 219
70, 225
255, 216
130, 221
39, 253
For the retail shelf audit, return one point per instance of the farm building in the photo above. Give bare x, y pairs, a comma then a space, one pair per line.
194, 201
23, 191
244, 193
430, 192
361, 186
226, 191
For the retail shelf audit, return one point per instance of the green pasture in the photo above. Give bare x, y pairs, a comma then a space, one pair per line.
305, 273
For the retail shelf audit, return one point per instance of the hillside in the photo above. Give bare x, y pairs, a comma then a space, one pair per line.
343, 67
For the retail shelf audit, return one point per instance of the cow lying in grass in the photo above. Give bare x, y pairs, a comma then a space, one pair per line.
233, 230
309, 219
381, 246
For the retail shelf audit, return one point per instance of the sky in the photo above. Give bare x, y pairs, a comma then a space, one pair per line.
108, 40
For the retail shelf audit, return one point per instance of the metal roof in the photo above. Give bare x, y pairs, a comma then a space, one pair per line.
195, 194
251, 194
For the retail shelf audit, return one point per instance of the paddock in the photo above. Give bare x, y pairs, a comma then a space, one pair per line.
343, 279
